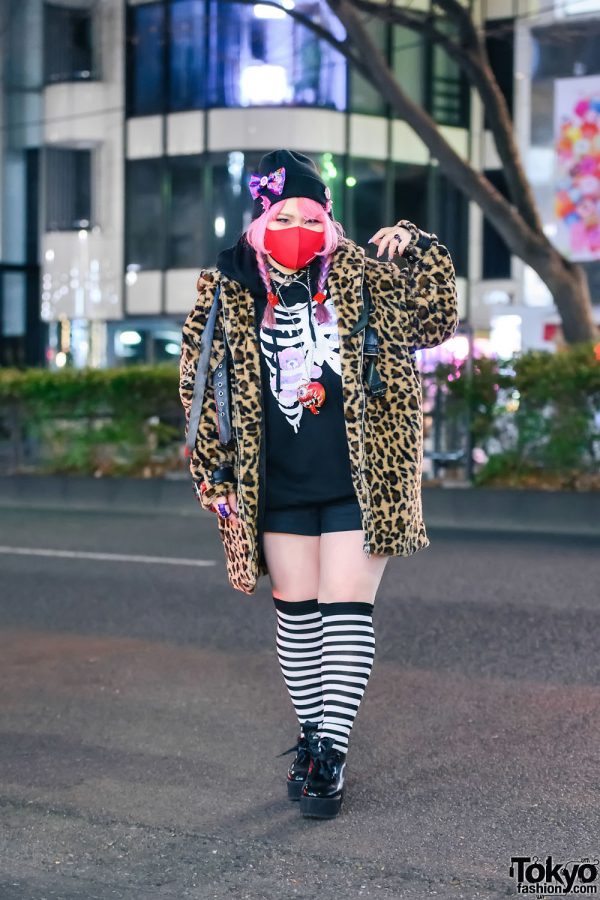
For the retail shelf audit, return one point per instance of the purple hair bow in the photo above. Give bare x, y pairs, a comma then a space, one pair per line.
274, 182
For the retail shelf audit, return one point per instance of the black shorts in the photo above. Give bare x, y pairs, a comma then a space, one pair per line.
316, 518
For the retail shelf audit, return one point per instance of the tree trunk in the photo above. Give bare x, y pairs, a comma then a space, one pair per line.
568, 284
566, 281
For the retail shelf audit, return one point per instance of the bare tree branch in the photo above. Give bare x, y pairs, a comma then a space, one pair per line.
566, 280
472, 183
505, 217
462, 16
407, 18
517, 222
471, 55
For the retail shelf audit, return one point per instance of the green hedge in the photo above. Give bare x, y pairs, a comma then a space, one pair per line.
136, 391
534, 417
120, 421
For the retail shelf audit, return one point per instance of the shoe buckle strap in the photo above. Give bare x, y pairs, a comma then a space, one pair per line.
293, 749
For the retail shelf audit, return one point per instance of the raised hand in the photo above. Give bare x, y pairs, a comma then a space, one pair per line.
395, 238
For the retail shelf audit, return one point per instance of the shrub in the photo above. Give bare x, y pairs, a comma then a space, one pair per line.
536, 417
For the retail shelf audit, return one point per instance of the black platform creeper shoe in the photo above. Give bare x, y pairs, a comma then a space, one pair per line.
323, 790
298, 769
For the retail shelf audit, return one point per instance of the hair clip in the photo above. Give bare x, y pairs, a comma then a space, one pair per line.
273, 182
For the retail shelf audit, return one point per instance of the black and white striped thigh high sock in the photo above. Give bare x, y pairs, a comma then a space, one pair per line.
299, 645
346, 663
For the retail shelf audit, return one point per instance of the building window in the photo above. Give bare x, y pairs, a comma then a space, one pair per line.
410, 193
13, 304
187, 229
409, 61
366, 183
447, 86
331, 168
165, 57
542, 113
259, 56
364, 96
566, 50
186, 55
146, 67
67, 43
145, 213
181, 210
496, 255
231, 205
451, 220
499, 44
68, 188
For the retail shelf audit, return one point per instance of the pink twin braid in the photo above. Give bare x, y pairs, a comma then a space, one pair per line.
322, 314
268, 319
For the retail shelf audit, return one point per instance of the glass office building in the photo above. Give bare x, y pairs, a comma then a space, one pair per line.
150, 118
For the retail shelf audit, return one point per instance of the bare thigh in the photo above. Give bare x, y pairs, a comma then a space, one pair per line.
345, 571
293, 563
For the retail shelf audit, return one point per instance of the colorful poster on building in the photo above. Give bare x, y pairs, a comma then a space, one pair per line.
577, 166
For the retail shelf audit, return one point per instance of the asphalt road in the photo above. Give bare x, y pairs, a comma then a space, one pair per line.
142, 708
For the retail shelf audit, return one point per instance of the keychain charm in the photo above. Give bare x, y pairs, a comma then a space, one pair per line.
312, 395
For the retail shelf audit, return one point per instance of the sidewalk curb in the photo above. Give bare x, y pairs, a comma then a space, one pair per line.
509, 509
464, 508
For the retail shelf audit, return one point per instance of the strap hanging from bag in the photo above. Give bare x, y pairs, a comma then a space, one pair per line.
373, 383
222, 389
201, 372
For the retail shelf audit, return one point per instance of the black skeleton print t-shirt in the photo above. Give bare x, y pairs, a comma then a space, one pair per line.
307, 459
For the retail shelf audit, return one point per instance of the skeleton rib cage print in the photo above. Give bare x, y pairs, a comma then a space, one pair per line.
292, 342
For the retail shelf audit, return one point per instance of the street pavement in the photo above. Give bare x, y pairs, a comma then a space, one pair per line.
142, 710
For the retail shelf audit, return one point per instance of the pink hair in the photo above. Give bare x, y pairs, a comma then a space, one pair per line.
332, 232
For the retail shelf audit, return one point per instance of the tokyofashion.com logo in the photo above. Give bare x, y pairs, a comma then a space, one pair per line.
576, 876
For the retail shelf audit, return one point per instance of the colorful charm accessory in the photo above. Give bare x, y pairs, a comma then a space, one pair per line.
273, 182
311, 396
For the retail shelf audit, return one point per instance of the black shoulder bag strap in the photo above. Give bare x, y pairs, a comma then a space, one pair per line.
201, 372
222, 389
373, 383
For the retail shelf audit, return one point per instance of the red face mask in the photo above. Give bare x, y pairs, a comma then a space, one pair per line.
293, 247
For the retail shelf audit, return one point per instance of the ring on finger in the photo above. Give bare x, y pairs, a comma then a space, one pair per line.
223, 511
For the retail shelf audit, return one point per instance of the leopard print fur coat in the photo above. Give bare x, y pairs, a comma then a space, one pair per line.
413, 306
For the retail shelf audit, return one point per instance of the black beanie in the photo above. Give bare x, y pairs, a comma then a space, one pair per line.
299, 178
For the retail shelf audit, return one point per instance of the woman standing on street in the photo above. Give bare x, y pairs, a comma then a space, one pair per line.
321, 482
